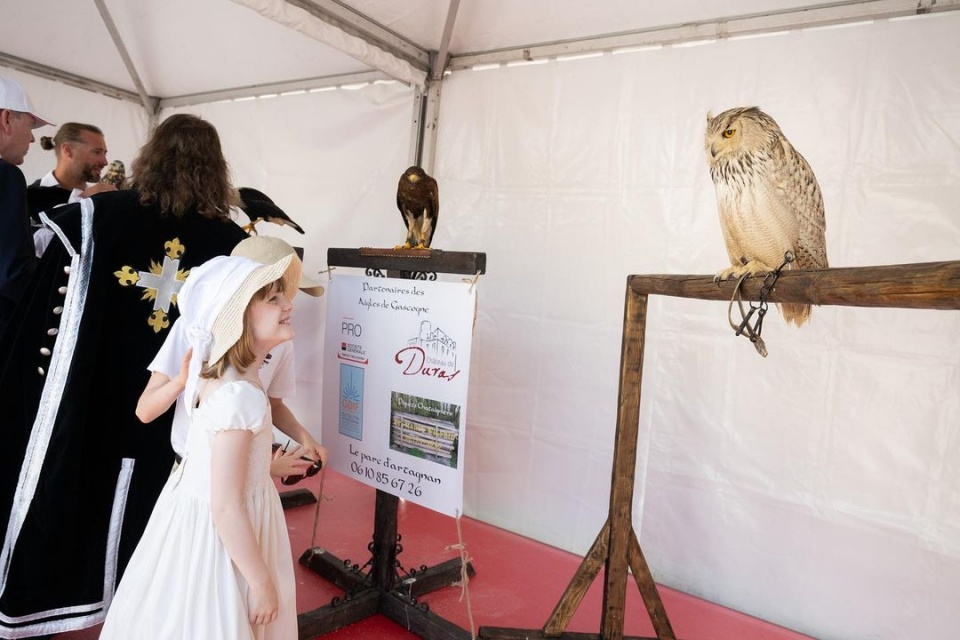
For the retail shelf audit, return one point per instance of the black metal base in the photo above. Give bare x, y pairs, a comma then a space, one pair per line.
363, 598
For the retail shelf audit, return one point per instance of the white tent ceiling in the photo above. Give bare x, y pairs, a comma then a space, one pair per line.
187, 47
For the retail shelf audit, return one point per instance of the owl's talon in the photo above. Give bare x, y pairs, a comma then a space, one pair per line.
727, 274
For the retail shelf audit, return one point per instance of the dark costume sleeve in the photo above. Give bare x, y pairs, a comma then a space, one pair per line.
44, 199
17, 258
79, 482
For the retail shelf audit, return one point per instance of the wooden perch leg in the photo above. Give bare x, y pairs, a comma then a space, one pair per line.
648, 591
624, 465
582, 579
616, 546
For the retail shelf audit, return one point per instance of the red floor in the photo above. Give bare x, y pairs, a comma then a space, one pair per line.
518, 581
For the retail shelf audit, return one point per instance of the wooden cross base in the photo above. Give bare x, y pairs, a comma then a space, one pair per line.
296, 498
381, 590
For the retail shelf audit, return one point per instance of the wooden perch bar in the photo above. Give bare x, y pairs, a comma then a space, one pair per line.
456, 262
929, 285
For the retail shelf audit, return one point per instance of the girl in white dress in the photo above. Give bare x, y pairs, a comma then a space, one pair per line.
214, 562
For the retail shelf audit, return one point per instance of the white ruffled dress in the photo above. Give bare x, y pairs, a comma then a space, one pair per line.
181, 583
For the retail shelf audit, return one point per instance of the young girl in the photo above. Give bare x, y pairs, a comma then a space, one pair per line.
214, 561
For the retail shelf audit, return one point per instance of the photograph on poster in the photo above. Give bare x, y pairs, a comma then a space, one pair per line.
423, 428
351, 401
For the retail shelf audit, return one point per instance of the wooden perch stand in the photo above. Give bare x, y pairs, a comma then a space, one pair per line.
934, 285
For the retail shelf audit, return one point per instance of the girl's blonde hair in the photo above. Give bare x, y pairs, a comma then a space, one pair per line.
240, 356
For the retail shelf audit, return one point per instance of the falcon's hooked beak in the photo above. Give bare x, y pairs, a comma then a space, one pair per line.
413, 177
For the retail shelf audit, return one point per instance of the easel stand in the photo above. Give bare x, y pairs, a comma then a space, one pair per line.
934, 285
386, 587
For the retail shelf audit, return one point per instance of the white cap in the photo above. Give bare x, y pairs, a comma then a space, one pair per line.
14, 98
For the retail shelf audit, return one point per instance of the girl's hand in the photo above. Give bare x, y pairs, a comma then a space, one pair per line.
288, 463
185, 368
263, 603
314, 450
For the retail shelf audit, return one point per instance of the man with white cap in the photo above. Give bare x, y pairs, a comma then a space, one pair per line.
18, 119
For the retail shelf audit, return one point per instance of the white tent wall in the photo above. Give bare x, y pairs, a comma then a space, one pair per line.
124, 124
331, 160
816, 488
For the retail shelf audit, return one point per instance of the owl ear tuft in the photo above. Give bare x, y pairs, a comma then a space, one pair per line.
710, 115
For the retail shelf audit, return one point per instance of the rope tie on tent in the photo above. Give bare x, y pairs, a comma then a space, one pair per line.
744, 328
464, 582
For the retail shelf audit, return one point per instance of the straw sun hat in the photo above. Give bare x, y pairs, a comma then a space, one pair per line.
267, 249
214, 299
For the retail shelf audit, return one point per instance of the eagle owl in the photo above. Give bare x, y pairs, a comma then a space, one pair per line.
419, 202
768, 198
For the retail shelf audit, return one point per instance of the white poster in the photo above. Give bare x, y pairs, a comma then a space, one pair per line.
396, 363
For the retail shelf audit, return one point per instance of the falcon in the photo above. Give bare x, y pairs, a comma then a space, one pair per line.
419, 202
258, 206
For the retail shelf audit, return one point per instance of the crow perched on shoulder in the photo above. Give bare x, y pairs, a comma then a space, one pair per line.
258, 206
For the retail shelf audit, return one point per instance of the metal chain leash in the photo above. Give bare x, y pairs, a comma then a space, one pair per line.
759, 308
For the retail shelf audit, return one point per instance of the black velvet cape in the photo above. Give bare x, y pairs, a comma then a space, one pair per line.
79, 473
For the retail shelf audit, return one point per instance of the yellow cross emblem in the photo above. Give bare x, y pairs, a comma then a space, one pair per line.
162, 282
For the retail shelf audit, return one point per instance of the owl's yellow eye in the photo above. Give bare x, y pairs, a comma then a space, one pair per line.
729, 133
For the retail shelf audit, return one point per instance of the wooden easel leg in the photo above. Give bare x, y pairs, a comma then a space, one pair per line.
331, 617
